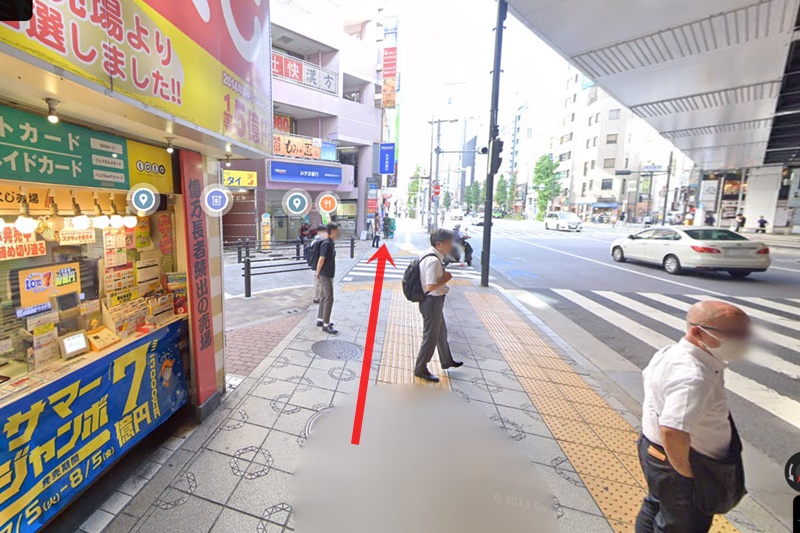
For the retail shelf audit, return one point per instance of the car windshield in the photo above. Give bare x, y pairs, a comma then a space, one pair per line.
568, 216
714, 235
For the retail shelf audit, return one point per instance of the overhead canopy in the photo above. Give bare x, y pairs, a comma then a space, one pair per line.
706, 74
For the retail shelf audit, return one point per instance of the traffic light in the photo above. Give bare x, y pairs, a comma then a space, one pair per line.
496, 149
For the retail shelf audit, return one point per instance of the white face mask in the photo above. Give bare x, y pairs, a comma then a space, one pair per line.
729, 350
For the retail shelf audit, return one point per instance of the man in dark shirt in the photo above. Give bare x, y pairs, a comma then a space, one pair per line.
326, 271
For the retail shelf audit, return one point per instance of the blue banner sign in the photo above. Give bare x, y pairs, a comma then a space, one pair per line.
286, 172
387, 158
328, 152
59, 438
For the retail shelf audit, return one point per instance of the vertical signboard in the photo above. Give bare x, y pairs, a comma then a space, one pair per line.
203, 62
387, 158
389, 93
373, 184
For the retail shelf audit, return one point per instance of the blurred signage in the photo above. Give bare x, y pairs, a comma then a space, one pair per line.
150, 164
169, 55
287, 172
281, 123
387, 152
303, 73
391, 181
373, 184
37, 285
329, 151
389, 92
651, 168
294, 146
240, 178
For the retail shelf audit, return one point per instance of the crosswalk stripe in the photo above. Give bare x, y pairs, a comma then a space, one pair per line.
784, 408
774, 337
763, 302
760, 358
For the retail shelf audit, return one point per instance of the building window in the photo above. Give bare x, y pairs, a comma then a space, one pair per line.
566, 138
588, 143
592, 166
576, 78
597, 118
572, 118
590, 120
583, 189
565, 156
611, 139
567, 102
591, 184
594, 141
607, 184
609, 162
614, 114
626, 163
574, 98
530, 133
586, 168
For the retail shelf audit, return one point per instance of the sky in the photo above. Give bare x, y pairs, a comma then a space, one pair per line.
447, 46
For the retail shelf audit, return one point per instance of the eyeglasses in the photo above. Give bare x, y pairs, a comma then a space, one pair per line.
729, 333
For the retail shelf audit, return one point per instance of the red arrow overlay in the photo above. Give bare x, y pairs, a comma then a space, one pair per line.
382, 255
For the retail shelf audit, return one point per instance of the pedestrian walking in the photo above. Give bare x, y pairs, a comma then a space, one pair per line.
376, 232
762, 225
689, 450
312, 256
386, 224
739, 222
326, 271
434, 278
710, 220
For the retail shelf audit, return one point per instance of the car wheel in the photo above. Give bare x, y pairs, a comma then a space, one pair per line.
739, 274
672, 265
546, 226
618, 254
558, 227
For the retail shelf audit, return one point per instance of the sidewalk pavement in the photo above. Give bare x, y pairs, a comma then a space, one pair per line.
234, 472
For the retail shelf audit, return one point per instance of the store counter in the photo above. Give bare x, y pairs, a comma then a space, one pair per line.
64, 424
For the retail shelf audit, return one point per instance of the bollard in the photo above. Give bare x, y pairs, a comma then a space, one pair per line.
248, 289
239, 251
247, 248
352, 247
297, 250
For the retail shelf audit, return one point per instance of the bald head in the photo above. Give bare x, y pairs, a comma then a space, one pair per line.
721, 319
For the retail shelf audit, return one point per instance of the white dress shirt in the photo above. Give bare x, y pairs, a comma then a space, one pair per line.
684, 389
431, 271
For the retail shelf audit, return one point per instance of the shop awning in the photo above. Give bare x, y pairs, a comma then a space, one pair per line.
605, 205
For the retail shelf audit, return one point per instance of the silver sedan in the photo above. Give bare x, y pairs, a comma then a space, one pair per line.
698, 248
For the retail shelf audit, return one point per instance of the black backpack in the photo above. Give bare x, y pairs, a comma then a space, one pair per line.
412, 285
313, 254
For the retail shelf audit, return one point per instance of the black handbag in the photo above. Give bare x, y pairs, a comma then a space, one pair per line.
719, 483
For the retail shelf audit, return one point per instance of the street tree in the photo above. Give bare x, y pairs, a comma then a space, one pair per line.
512, 192
447, 200
482, 196
501, 193
413, 192
545, 179
469, 197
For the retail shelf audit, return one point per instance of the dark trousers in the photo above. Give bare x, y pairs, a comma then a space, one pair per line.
376, 240
325, 299
434, 334
669, 505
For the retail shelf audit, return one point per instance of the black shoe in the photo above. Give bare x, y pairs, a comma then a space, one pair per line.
454, 364
330, 330
316, 300
320, 323
427, 376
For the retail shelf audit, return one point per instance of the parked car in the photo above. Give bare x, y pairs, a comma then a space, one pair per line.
698, 248
562, 220
456, 214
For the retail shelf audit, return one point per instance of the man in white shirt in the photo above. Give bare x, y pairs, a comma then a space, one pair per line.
434, 278
685, 407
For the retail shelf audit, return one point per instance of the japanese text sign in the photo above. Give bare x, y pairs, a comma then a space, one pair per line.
171, 55
240, 178
34, 150
16, 245
37, 285
293, 146
387, 158
286, 172
59, 438
303, 73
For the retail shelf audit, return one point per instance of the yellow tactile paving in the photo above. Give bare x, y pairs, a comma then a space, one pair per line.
596, 439
401, 345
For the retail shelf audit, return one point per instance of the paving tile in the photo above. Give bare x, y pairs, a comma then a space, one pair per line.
132, 485
116, 502
231, 521
229, 442
256, 495
284, 450
510, 398
272, 387
312, 398
97, 521
213, 477
320, 377
294, 423
147, 469
194, 515
257, 411
529, 421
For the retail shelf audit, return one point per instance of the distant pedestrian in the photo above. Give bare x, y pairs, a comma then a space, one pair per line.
739, 222
434, 279
326, 271
710, 220
376, 232
762, 225
313, 256
689, 450
386, 224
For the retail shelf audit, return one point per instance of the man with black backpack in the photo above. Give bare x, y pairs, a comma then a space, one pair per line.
326, 271
312, 256
433, 280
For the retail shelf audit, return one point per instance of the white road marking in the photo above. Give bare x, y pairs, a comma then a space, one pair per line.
784, 408
772, 305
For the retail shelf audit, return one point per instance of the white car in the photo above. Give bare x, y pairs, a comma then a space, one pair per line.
456, 214
559, 220
697, 248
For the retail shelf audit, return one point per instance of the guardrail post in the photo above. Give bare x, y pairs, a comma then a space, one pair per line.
247, 248
239, 251
352, 247
248, 289
297, 250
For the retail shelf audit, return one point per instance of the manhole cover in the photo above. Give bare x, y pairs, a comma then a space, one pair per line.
313, 420
337, 350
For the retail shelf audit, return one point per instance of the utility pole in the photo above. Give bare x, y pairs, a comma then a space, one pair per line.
495, 144
430, 168
666, 191
438, 151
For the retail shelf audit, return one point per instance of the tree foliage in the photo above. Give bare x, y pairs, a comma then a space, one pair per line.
482, 193
447, 200
512, 193
545, 179
413, 192
501, 193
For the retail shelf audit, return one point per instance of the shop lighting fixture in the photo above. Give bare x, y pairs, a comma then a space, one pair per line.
228, 161
129, 220
52, 116
55, 221
24, 222
170, 148
79, 221
2, 224
100, 220
115, 221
